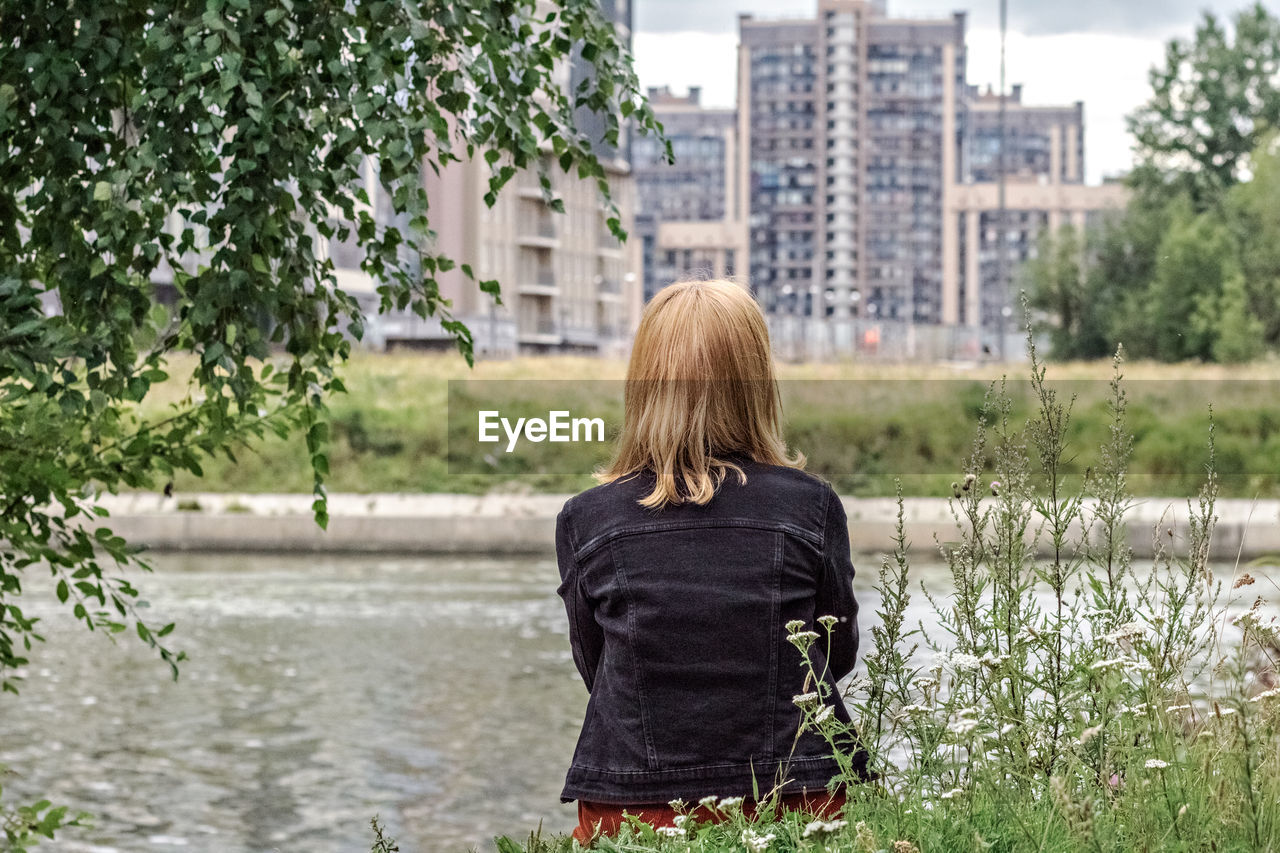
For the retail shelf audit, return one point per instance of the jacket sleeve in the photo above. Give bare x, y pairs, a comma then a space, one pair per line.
585, 637
835, 591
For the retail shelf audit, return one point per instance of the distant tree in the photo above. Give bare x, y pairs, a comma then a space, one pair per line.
1213, 100
1235, 332
219, 143
1057, 286
1093, 284
1253, 209
1191, 269
1195, 259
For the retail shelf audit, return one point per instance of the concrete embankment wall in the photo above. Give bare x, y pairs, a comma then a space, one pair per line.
525, 524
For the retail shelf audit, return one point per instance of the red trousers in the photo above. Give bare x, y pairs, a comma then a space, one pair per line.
608, 817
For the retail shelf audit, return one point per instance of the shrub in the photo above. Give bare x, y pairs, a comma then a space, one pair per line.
1067, 702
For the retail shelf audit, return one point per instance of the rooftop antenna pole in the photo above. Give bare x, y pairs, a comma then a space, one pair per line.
1002, 262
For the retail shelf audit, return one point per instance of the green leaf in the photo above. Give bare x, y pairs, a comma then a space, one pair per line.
102, 191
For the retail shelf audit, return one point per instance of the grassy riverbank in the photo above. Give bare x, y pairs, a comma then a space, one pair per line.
1074, 702
859, 425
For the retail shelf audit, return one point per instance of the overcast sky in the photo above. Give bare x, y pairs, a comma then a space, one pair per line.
1096, 51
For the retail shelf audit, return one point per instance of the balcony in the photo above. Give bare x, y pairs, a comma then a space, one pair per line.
541, 282
539, 330
606, 243
608, 290
539, 232
527, 186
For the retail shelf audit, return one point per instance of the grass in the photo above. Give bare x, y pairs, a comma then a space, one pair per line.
864, 427
1062, 703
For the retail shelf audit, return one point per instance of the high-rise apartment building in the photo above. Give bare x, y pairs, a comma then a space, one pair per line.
915, 74
778, 100
851, 122
1040, 141
688, 215
872, 174
568, 285
1044, 189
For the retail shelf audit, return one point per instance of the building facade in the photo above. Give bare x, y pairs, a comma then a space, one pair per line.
689, 215
567, 284
1044, 189
872, 167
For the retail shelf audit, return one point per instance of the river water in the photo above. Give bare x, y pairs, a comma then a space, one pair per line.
436, 693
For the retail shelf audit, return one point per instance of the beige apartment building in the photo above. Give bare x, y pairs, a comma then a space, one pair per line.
567, 284
1044, 189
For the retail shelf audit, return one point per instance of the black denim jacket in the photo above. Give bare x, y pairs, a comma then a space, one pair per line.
677, 623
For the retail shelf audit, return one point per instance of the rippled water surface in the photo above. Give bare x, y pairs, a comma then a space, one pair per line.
439, 694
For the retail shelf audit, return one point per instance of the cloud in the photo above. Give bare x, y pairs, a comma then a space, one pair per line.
1161, 18
685, 59
666, 16
1112, 83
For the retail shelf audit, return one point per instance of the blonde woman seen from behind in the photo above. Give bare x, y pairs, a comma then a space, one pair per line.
680, 571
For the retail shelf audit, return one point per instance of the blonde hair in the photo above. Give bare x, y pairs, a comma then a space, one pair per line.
700, 387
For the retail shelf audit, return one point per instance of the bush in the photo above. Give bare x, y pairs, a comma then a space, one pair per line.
1064, 703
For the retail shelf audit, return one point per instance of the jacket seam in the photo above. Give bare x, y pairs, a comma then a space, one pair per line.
826, 515
651, 752
774, 618
576, 567
598, 542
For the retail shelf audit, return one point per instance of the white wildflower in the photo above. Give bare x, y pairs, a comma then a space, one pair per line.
821, 827
755, 841
680, 820
794, 625
1173, 709
729, 803
827, 621
709, 801
1225, 712
954, 792
1266, 694
805, 700
1248, 619
824, 715
1156, 764
802, 640
1007, 727
1111, 663
1127, 631
962, 661
914, 709
962, 726
671, 831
